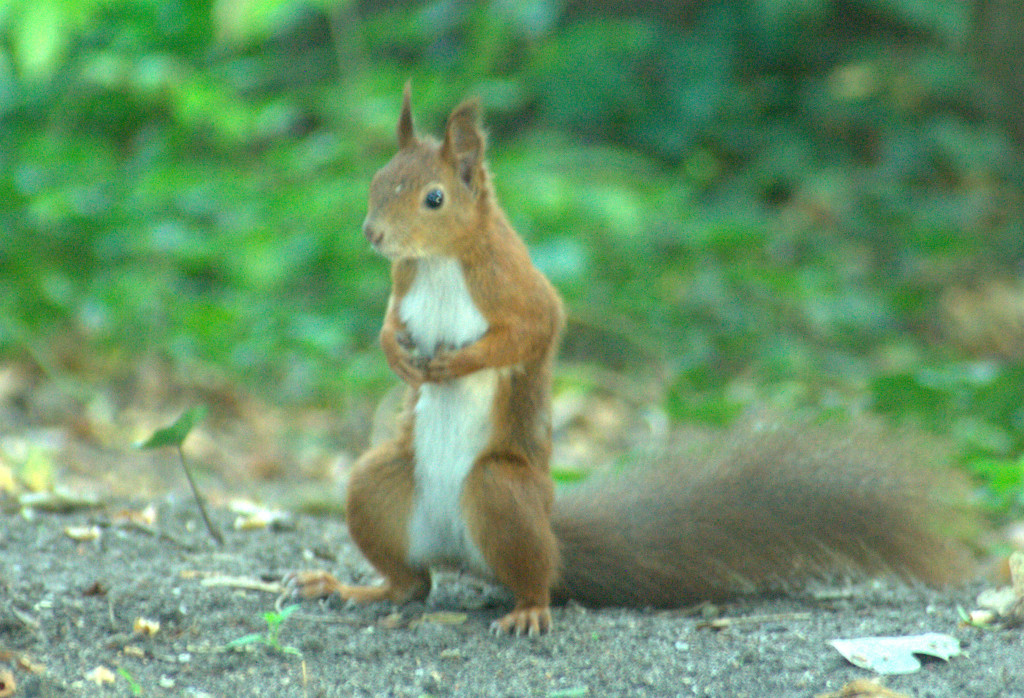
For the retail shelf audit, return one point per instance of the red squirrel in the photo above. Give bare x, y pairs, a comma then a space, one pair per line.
472, 327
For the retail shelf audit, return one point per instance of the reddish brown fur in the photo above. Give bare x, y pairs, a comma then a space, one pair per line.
771, 509
508, 494
507, 504
379, 501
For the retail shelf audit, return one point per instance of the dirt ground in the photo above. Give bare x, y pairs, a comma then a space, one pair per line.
156, 606
118, 590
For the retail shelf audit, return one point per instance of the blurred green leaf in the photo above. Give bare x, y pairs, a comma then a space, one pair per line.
40, 37
1004, 481
175, 434
950, 20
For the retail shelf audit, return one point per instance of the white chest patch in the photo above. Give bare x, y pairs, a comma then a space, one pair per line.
438, 309
453, 419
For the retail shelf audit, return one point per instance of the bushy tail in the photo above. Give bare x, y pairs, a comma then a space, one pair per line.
774, 507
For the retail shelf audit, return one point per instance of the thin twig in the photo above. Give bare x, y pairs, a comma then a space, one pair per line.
243, 583
151, 531
722, 623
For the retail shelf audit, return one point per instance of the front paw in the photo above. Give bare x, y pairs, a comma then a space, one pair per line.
404, 340
409, 371
408, 363
446, 364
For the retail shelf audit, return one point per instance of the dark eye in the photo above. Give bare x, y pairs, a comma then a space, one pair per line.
434, 198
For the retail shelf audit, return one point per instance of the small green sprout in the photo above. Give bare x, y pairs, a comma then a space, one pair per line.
270, 638
174, 435
133, 685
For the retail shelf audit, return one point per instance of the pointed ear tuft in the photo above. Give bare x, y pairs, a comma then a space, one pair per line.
406, 132
464, 144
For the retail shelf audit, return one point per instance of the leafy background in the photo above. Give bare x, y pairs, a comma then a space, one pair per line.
809, 204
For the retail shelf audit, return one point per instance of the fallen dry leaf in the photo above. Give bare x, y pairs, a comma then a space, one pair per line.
101, 675
56, 502
37, 472
1017, 574
863, 688
981, 617
145, 626
1015, 616
82, 534
1004, 604
896, 655
143, 517
7, 684
134, 651
27, 664
998, 601
441, 618
254, 517
7, 481
392, 621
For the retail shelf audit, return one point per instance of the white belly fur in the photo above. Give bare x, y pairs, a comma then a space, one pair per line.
452, 419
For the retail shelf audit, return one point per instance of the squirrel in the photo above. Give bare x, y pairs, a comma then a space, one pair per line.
472, 328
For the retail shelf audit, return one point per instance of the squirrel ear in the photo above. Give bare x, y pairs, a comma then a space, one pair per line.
464, 143
406, 133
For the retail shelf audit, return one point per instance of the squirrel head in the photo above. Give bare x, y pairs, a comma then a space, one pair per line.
431, 198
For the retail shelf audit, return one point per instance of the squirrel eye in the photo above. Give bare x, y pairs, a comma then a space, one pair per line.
434, 198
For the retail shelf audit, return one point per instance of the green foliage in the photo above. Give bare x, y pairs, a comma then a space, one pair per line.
1003, 480
982, 401
766, 199
979, 405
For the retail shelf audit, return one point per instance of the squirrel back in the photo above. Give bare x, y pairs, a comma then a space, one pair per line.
778, 504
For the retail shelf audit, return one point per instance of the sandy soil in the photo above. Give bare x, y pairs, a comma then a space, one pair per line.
70, 609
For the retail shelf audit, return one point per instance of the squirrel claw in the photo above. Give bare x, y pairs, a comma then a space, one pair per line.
318, 584
310, 584
405, 340
530, 621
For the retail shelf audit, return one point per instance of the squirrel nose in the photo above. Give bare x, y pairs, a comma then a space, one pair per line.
371, 232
